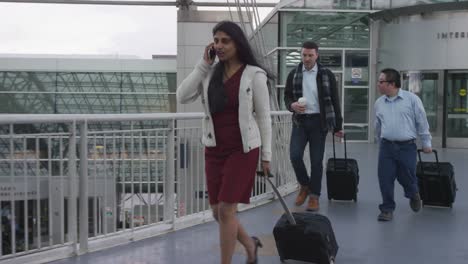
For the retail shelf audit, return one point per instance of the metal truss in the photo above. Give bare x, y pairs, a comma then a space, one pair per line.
178, 3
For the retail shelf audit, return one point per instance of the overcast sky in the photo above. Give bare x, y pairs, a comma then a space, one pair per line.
84, 29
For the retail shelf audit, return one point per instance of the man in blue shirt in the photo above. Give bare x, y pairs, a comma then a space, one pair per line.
399, 118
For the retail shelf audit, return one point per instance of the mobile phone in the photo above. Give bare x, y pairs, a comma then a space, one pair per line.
212, 53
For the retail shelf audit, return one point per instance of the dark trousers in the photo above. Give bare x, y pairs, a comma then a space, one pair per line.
396, 161
308, 130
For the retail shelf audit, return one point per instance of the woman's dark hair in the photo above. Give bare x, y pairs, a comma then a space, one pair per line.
216, 96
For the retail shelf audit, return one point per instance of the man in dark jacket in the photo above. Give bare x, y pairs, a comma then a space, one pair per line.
311, 94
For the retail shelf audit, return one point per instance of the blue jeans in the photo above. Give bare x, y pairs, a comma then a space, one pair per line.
308, 130
396, 161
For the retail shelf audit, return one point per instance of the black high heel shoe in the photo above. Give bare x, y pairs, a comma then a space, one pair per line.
258, 244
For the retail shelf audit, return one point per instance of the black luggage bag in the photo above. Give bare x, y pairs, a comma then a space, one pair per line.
311, 239
342, 176
304, 236
436, 182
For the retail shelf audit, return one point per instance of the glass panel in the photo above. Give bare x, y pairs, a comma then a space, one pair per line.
269, 34
356, 105
457, 105
24, 102
338, 78
332, 59
330, 4
145, 103
27, 103
336, 30
88, 103
356, 132
357, 68
281, 98
402, 3
288, 60
380, 4
20, 228
425, 85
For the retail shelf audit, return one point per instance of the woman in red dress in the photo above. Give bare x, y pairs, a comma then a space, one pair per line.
236, 129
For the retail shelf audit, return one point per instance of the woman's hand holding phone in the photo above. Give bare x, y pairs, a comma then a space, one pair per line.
210, 54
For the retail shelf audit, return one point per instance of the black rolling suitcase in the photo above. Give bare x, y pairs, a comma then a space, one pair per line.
304, 236
436, 181
342, 176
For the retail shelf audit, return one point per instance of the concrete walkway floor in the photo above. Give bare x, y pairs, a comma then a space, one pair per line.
432, 236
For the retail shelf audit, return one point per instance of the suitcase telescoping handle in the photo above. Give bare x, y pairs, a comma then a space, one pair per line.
436, 157
290, 217
345, 151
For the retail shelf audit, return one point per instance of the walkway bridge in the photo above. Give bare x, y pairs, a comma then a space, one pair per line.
130, 189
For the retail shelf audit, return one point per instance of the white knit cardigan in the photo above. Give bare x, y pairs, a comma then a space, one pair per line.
254, 106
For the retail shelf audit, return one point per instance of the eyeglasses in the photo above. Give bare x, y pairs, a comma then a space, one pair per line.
380, 82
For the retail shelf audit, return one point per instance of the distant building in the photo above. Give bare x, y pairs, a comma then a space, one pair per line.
87, 84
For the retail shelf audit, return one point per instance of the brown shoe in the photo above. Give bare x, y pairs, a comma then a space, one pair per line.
385, 216
313, 204
301, 197
415, 202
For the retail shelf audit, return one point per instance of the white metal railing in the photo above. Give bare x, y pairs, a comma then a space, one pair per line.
70, 184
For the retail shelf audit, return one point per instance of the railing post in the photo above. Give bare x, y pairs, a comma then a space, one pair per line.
84, 188
12, 198
169, 190
72, 185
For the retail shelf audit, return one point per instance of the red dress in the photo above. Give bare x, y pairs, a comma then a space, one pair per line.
230, 173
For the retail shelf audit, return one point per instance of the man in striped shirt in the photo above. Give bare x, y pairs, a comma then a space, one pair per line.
399, 119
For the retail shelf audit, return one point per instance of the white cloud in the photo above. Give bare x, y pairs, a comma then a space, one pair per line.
89, 29
82, 29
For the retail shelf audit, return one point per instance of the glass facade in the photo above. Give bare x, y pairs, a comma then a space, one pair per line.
344, 41
327, 29
360, 4
341, 29
87, 92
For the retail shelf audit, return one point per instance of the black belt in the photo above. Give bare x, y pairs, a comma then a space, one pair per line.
307, 115
399, 142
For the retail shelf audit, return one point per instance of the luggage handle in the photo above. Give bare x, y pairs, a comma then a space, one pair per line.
334, 151
290, 217
436, 157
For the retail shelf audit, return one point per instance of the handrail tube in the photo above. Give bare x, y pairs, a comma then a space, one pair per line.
92, 118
